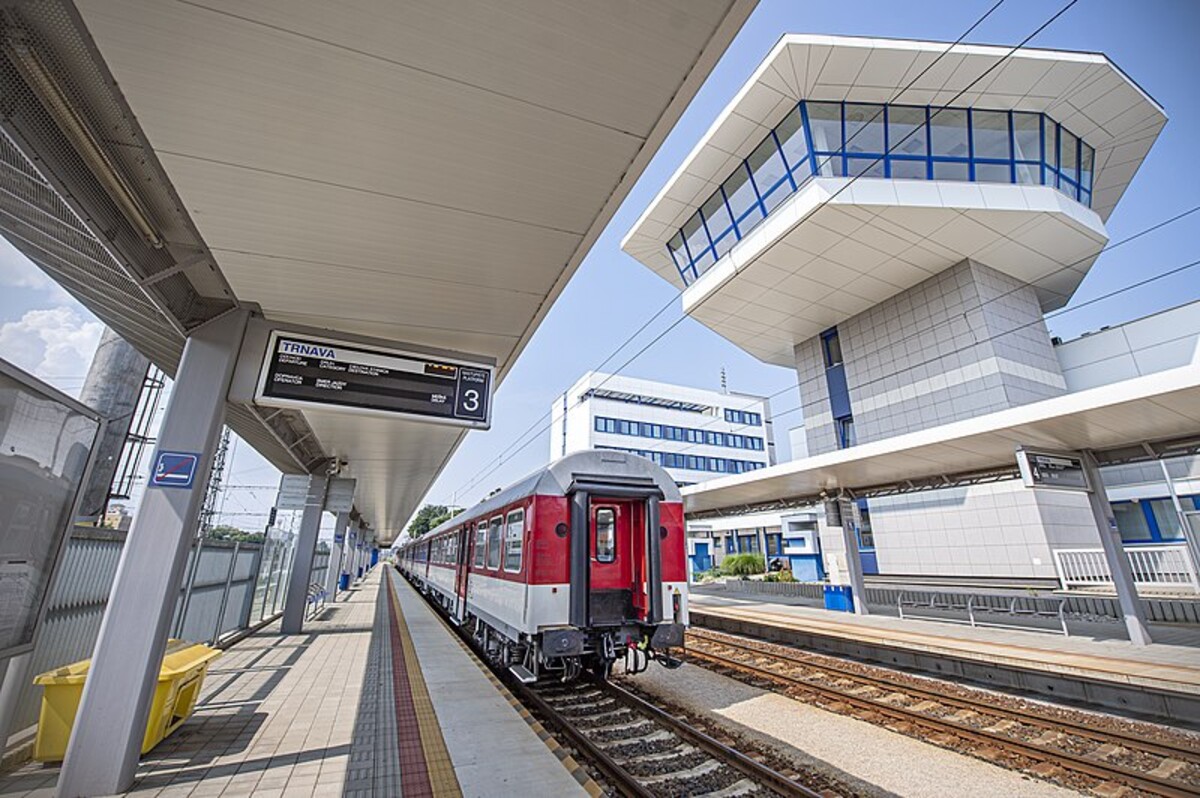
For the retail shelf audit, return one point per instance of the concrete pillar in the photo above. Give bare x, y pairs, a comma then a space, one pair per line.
112, 387
1114, 554
296, 599
102, 755
854, 569
336, 550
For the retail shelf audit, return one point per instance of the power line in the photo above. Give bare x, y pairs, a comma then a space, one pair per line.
475, 480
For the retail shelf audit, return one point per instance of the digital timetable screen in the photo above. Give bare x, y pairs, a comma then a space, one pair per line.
303, 371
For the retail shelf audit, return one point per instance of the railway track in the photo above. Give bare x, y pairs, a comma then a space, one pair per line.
1043, 743
643, 751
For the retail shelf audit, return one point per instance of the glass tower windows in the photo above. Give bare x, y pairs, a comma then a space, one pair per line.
864, 129
901, 142
948, 133
794, 144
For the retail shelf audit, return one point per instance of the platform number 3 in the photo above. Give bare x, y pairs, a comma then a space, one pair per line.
471, 400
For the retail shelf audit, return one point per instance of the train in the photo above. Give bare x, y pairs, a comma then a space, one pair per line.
578, 565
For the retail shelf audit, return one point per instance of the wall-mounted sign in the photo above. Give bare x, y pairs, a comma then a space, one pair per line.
1063, 471
174, 470
309, 372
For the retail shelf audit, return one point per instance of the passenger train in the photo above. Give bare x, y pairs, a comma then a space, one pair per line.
574, 567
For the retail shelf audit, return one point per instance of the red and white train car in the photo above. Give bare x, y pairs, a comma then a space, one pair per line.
575, 566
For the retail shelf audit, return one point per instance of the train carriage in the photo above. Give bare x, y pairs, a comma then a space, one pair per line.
577, 565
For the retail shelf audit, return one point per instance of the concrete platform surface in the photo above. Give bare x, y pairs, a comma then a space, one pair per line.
1170, 665
367, 701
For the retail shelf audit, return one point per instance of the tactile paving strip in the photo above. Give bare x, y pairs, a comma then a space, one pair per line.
425, 766
577, 771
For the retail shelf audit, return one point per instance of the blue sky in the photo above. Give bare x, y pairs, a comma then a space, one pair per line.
612, 295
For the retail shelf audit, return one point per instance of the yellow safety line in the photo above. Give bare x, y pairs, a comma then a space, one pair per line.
442, 778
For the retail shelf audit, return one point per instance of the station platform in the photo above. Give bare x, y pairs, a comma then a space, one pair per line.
376, 697
1161, 680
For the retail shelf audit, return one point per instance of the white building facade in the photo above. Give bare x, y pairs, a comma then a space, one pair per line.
693, 433
893, 220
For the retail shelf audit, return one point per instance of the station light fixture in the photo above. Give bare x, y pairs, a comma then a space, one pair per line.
80, 135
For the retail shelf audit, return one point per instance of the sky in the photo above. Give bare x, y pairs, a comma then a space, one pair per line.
45, 331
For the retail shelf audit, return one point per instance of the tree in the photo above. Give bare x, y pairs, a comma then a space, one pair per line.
429, 517
227, 532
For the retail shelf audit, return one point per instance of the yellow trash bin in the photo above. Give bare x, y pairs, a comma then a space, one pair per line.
179, 679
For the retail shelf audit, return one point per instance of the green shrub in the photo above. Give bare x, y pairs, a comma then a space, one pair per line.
743, 564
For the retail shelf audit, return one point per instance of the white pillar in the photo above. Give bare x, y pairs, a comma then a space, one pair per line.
296, 599
102, 755
336, 548
1114, 553
854, 567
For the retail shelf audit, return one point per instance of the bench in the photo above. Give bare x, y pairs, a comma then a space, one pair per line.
996, 610
315, 601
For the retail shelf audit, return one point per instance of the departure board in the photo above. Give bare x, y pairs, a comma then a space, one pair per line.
1052, 470
303, 371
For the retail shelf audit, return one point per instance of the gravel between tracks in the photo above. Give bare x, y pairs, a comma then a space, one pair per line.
846, 748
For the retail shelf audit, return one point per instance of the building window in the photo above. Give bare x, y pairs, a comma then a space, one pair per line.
901, 142
831, 347
866, 538
845, 432
774, 545
1132, 522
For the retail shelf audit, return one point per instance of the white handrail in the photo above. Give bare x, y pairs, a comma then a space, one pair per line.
1160, 566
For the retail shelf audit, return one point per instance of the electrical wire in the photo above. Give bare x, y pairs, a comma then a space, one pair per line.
474, 481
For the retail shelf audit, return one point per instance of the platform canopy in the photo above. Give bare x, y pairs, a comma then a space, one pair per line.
1140, 418
422, 172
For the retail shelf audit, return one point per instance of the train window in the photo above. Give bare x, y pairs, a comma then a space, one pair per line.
493, 554
606, 535
480, 545
514, 538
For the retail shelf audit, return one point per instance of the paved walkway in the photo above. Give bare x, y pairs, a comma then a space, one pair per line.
317, 714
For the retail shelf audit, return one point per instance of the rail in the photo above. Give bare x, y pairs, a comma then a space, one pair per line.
1168, 567
1152, 765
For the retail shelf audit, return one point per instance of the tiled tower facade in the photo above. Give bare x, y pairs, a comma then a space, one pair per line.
968, 341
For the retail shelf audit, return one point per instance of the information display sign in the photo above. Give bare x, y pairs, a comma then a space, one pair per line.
310, 372
1063, 471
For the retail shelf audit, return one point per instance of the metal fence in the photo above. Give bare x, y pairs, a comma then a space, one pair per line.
1154, 568
227, 587
1076, 607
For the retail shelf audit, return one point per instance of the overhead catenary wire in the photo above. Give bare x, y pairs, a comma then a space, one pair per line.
499, 459
872, 162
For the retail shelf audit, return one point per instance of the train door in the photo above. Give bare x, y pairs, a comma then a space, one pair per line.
618, 560
460, 576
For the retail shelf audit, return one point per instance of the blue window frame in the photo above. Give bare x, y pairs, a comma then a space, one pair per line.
845, 432
909, 142
1151, 520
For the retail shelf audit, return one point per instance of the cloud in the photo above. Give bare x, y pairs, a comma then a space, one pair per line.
17, 271
55, 344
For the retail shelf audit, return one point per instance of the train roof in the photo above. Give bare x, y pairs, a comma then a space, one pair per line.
556, 479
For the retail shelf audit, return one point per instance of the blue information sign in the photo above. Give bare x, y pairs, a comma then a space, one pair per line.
174, 470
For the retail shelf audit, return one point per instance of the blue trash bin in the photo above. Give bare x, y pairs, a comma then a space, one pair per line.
360, 572
344, 582
839, 598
